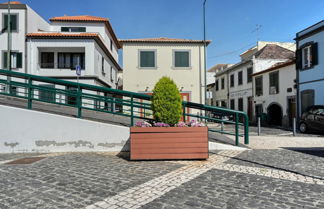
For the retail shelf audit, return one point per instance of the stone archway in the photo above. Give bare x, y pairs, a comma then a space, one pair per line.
274, 114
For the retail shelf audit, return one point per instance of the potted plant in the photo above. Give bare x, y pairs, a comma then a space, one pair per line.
167, 138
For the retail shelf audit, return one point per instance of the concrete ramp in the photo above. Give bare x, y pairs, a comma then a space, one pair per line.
24, 130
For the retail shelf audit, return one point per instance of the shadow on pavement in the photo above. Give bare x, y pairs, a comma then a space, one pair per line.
315, 151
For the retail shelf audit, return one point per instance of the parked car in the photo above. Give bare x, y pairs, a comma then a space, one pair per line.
312, 119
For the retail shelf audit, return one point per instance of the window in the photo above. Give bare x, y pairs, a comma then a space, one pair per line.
181, 59
240, 78
47, 60
47, 92
223, 83
16, 60
13, 21
71, 60
307, 99
274, 83
216, 84
240, 104
111, 74
103, 66
259, 86
111, 45
232, 105
232, 80
147, 59
249, 74
73, 29
223, 104
307, 56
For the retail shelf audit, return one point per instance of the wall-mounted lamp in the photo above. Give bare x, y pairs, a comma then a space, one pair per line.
147, 88
181, 89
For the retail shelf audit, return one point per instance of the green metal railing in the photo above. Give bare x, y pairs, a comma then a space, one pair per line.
117, 102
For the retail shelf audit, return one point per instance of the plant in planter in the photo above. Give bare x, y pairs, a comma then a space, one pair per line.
167, 138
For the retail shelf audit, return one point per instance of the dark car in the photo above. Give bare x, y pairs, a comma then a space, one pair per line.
312, 119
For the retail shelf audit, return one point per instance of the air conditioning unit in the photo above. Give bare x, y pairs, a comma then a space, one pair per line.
273, 90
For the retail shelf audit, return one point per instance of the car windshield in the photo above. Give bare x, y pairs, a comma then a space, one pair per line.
319, 111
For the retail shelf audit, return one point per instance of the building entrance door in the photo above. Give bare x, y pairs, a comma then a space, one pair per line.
291, 109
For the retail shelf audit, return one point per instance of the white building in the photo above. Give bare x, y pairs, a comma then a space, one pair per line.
310, 64
57, 48
145, 61
274, 93
235, 83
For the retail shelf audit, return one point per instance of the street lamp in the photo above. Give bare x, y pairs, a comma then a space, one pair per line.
205, 72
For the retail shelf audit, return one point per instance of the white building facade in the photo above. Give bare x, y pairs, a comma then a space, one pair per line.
275, 94
235, 86
58, 48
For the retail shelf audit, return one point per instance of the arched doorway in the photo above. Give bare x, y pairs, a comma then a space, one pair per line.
274, 114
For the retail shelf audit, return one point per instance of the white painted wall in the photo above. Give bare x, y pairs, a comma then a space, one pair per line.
32, 131
286, 80
35, 22
91, 28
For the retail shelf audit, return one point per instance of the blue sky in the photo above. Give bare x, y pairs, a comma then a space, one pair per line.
230, 23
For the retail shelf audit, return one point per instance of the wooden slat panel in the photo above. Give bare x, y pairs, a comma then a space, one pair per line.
169, 145
168, 156
169, 140
187, 150
167, 135
167, 129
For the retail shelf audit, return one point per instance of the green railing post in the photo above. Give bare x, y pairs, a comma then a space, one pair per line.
246, 129
132, 111
30, 91
236, 129
79, 102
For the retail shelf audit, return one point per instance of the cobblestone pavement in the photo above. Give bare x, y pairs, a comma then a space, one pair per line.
228, 179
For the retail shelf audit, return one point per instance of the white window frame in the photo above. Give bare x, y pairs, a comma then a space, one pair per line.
308, 51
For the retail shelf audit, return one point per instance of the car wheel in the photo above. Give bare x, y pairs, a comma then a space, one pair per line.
303, 128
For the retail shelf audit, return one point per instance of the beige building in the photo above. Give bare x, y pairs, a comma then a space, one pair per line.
145, 61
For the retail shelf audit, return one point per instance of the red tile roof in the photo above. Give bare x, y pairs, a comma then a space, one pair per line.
85, 18
88, 18
57, 35
12, 2
163, 40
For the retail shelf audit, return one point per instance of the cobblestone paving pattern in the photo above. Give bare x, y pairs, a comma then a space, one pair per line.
289, 160
73, 180
226, 189
141, 195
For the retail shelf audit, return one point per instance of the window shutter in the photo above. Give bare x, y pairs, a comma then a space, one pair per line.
5, 21
13, 20
19, 60
299, 58
5, 63
314, 54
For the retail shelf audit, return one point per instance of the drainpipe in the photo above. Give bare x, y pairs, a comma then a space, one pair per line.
9, 47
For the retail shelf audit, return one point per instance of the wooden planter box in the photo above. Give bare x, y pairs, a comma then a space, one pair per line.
161, 143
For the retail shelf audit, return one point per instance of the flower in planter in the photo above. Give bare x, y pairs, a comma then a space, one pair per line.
181, 124
160, 124
142, 123
194, 123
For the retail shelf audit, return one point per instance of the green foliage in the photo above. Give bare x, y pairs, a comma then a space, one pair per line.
166, 102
